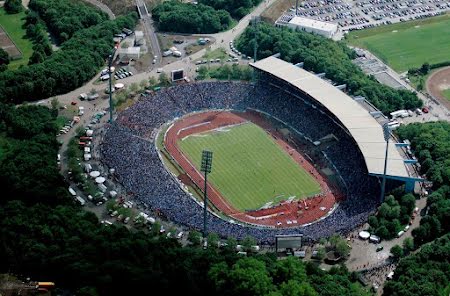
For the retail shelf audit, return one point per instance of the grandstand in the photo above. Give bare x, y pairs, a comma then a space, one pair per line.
363, 128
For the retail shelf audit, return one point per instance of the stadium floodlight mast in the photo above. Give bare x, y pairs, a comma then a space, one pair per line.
255, 20
110, 61
206, 169
387, 134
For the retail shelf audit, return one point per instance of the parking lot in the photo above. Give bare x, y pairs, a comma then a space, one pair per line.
361, 14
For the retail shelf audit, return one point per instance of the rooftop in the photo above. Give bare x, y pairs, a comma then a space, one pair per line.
366, 131
307, 22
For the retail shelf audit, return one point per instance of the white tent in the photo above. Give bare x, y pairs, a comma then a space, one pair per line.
119, 85
89, 133
94, 174
100, 180
87, 156
364, 234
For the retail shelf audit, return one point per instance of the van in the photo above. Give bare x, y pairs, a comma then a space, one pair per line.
400, 233
102, 187
80, 200
374, 239
72, 192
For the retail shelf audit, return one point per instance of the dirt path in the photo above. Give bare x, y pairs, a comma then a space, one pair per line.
437, 82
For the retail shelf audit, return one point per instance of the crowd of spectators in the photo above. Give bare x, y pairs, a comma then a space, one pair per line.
129, 148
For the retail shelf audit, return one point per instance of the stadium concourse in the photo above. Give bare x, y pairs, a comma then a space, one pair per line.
129, 147
285, 214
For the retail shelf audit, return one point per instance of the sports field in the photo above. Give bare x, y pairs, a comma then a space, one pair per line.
446, 93
409, 44
12, 23
249, 168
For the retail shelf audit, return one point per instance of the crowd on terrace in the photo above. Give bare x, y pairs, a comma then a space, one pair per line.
129, 147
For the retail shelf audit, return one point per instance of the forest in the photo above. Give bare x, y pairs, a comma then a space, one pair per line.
319, 55
81, 54
174, 16
237, 8
393, 215
431, 145
424, 273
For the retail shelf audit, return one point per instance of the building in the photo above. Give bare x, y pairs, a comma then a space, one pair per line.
129, 52
308, 25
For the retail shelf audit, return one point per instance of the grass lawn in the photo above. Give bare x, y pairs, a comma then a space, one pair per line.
446, 94
409, 44
219, 53
12, 23
249, 168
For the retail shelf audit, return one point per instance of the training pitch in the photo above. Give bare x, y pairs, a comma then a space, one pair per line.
249, 168
407, 45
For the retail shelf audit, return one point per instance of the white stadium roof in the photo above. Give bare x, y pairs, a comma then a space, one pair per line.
366, 131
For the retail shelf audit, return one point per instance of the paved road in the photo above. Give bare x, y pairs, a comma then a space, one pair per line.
149, 29
102, 7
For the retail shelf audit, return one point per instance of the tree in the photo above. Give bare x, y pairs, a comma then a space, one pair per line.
195, 238
425, 68
248, 242
164, 79
143, 84
289, 269
321, 253
4, 57
397, 252
213, 240
13, 6
342, 248
152, 81
297, 288
134, 87
55, 103
249, 276
408, 245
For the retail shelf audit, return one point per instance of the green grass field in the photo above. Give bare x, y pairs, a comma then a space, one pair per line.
249, 168
409, 44
12, 23
446, 94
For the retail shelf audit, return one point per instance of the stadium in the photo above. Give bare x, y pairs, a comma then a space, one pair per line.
292, 155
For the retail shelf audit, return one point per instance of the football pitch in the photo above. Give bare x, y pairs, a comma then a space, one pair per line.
409, 44
249, 168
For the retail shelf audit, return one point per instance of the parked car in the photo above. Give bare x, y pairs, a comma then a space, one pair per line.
425, 109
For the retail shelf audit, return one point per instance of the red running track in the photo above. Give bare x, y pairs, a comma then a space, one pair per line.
286, 214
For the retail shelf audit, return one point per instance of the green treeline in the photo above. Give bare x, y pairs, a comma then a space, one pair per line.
392, 216
424, 273
427, 272
37, 32
324, 55
78, 59
237, 8
45, 236
174, 16
64, 18
28, 170
431, 144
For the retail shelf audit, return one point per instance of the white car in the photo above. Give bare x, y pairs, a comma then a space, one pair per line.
159, 70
